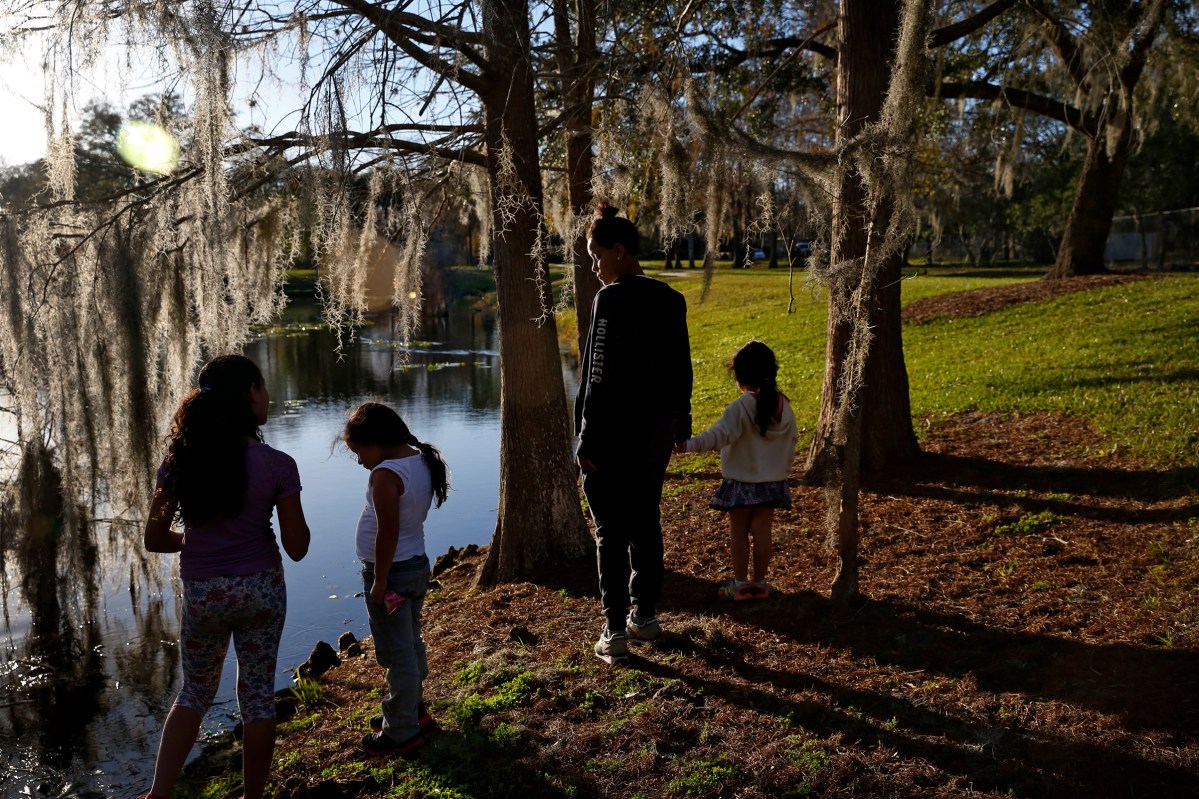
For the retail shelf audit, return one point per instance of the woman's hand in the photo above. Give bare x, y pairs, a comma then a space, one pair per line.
158, 535
378, 588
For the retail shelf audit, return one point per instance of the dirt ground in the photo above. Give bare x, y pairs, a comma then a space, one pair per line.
977, 302
1028, 627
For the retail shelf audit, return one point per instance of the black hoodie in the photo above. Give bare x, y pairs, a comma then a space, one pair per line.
637, 368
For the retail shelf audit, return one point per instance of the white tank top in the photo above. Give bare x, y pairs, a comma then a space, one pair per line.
414, 507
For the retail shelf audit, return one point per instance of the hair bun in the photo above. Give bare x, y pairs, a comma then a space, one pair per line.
607, 211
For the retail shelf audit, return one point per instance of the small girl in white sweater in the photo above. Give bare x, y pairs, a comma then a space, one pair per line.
756, 437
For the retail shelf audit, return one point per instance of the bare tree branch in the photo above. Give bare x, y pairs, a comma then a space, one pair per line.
1063, 42
951, 33
398, 27
381, 138
1020, 98
775, 47
1149, 23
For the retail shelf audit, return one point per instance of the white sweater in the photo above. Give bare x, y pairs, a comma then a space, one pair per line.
745, 454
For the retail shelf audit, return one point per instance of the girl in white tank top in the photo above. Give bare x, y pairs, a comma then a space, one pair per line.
407, 477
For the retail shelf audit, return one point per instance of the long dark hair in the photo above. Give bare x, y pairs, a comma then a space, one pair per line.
754, 365
206, 450
610, 229
376, 423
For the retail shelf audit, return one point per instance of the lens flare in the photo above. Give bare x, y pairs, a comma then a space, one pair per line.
148, 147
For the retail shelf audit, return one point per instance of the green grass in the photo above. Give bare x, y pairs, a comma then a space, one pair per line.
308, 693
507, 694
1030, 523
807, 755
746, 304
301, 723
704, 777
1126, 357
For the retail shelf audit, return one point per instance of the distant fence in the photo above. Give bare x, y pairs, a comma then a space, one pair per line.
1169, 240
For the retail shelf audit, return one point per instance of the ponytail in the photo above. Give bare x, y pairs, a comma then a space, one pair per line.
754, 365
767, 412
438, 471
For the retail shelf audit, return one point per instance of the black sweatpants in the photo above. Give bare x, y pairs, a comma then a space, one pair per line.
624, 494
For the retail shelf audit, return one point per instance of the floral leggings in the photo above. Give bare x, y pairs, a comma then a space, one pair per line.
251, 608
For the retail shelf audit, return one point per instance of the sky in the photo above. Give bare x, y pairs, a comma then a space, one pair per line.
120, 77
23, 132
23, 83
122, 74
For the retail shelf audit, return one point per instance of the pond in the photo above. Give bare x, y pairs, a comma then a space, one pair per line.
89, 726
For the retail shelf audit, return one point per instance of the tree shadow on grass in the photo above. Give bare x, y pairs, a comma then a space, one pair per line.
960, 478
1150, 690
1032, 273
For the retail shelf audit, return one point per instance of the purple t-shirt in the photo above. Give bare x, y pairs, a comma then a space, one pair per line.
244, 544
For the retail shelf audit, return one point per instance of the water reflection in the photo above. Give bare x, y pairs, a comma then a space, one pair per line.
89, 662
55, 672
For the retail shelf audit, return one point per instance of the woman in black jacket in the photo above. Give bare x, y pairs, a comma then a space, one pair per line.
633, 405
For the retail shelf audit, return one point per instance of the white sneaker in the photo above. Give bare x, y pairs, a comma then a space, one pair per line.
612, 646
640, 629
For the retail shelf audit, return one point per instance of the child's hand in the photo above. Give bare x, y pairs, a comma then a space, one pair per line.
680, 447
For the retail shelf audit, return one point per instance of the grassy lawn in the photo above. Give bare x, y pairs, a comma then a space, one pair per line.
1126, 356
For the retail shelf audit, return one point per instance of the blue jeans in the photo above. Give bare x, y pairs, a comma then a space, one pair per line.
399, 648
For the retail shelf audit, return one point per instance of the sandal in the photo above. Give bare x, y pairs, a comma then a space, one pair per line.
730, 590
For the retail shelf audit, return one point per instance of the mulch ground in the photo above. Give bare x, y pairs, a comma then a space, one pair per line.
977, 302
1028, 627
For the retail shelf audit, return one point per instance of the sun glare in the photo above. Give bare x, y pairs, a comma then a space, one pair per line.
148, 147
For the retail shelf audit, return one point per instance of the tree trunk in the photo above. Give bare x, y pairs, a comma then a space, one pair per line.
867, 29
578, 68
540, 519
1090, 220
872, 427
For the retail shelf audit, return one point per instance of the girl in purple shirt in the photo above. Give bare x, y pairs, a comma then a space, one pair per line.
223, 482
